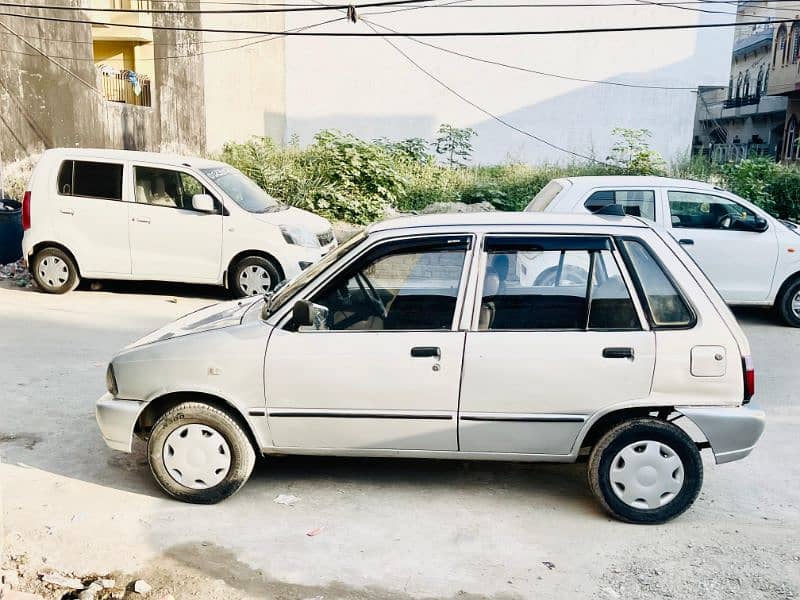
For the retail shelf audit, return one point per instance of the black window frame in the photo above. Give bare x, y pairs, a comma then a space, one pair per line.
72, 193
456, 241
593, 244
637, 283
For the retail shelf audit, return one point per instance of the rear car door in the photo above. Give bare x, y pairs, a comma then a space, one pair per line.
549, 349
169, 239
91, 216
718, 233
385, 371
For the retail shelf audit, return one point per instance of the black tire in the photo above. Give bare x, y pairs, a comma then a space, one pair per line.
242, 454
784, 304
54, 271
640, 430
246, 265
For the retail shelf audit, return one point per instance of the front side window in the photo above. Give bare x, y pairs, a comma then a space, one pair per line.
695, 210
164, 187
90, 179
637, 203
666, 305
538, 288
398, 287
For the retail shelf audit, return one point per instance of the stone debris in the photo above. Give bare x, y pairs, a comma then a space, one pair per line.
16, 272
140, 586
286, 500
62, 581
14, 595
90, 593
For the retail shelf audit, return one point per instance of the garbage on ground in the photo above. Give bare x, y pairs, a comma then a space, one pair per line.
286, 500
16, 272
314, 532
140, 586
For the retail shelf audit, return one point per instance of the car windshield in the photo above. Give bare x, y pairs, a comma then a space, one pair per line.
290, 287
243, 190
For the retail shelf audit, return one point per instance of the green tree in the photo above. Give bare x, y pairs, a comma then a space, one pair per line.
454, 144
632, 155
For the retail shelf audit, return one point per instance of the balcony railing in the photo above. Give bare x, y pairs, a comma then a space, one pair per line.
741, 101
126, 87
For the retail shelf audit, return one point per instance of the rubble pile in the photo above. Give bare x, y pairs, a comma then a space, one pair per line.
18, 273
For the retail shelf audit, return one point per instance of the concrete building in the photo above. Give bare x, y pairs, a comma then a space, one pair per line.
741, 119
97, 83
785, 76
367, 87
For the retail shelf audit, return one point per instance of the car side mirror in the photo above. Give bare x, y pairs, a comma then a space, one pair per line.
757, 225
309, 316
760, 224
203, 203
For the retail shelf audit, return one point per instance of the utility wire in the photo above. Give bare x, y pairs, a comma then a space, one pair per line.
534, 71
477, 106
361, 34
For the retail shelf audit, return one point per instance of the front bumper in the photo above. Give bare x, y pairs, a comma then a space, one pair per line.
293, 257
117, 419
732, 432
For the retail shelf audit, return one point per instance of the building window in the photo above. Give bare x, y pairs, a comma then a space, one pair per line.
795, 45
759, 81
766, 81
746, 84
730, 88
780, 45
739, 86
789, 145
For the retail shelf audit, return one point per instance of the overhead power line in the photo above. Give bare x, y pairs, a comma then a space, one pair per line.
361, 34
535, 71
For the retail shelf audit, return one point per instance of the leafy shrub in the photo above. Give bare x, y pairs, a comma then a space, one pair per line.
784, 194
751, 179
632, 155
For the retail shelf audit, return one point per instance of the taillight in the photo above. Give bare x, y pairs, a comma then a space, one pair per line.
26, 211
749, 378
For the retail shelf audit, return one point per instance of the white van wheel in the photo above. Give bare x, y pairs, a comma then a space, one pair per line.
253, 276
54, 271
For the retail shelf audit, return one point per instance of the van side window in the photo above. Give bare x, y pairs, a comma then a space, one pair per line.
90, 179
666, 305
706, 211
545, 289
164, 187
637, 203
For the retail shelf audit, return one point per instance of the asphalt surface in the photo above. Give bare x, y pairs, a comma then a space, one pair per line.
385, 528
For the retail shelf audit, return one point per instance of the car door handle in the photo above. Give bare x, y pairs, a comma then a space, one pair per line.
142, 219
618, 353
686, 242
67, 211
426, 352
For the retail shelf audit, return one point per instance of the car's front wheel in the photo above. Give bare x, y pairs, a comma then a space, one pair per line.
789, 304
253, 276
198, 453
646, 471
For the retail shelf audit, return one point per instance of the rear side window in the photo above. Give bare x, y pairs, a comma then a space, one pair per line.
529, 288
667, 307
545, 196
90, 179
637, 203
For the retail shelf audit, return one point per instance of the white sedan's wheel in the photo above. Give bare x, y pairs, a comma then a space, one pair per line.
646, 474
197, 456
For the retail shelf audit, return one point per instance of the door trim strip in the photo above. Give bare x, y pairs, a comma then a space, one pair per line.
359, 414
523, 418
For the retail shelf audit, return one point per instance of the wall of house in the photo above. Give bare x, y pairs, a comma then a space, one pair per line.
366, 87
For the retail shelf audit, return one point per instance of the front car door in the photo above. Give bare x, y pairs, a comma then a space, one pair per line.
384, 372
549, 349
169, 239
718, 233
92, 216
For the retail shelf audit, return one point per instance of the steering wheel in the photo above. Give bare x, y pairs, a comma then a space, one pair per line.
724, 222
372, 295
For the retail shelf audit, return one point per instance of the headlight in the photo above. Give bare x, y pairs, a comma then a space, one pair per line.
111, 380
299, 236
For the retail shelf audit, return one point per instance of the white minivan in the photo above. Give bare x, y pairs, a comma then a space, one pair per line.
750, 256
116, 214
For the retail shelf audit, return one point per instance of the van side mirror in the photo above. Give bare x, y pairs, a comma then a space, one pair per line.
203, 203
309, 316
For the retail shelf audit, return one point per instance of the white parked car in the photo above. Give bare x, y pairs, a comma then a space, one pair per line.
115, 214
751, 257
417, 339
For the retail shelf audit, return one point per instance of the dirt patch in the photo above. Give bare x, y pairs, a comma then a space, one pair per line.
26, 440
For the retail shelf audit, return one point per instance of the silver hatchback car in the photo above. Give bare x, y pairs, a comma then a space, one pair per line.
422, 338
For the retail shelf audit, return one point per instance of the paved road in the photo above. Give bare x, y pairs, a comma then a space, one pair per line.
390, 528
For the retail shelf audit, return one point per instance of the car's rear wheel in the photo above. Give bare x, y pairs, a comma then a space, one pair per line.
645, 471
789, 304
252, 276
54, 271
199, 454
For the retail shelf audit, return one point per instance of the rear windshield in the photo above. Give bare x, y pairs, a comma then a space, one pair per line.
545, 196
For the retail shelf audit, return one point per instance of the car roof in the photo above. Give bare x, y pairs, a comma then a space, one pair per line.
174, 160
500, 218
636, 181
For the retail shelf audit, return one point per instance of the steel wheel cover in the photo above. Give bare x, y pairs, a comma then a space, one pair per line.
53, 271
646, 474
796, 305
197, 456
254, 280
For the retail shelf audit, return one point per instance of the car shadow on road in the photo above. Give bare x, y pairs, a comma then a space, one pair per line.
157, 288
757, 315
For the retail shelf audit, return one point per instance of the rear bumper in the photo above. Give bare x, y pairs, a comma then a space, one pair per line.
117, 419
732, 432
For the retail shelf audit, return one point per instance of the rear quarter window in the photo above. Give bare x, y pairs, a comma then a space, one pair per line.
545, 196
90, 179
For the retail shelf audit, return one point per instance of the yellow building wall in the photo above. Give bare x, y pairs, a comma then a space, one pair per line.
125, 55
